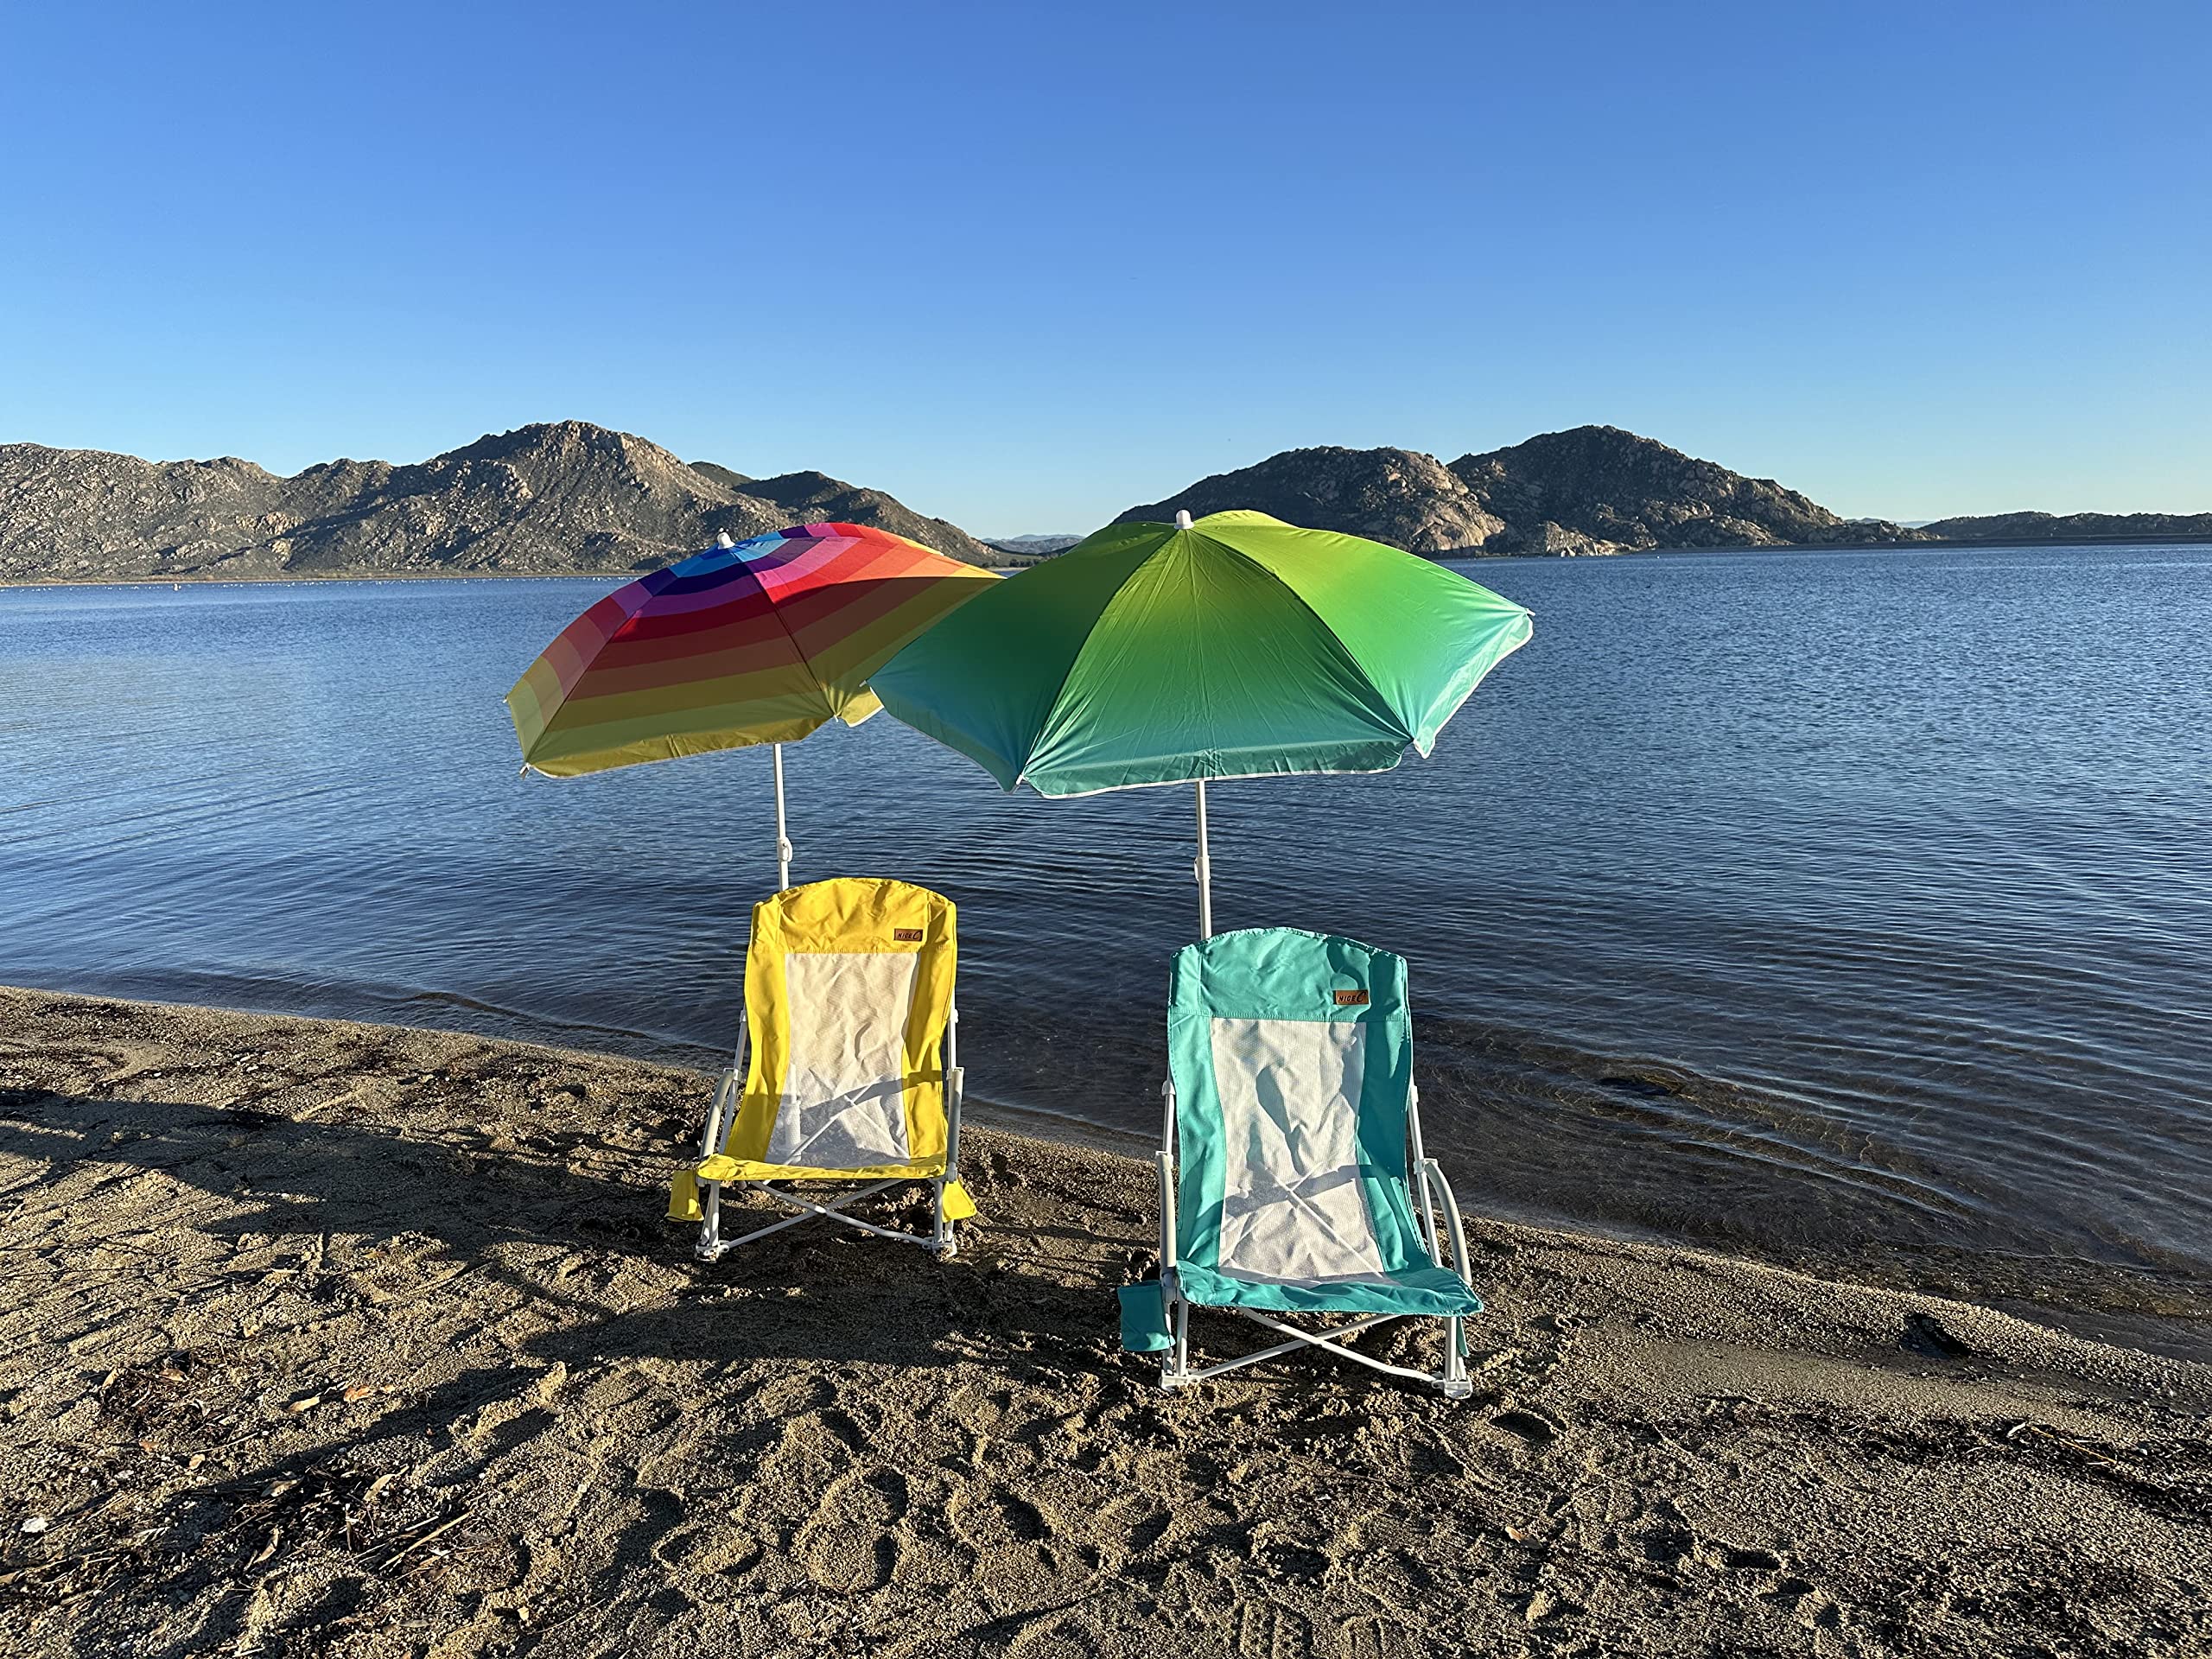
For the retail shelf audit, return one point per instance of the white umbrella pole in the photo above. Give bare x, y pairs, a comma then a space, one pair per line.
1203, 870
783, 842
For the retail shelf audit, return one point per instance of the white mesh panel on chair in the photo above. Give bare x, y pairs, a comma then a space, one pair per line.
844, 1093
1291, 1207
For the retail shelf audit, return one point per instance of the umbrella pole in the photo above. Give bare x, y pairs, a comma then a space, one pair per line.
1203, 870
783, 842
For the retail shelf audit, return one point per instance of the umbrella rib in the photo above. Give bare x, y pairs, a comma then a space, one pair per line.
776, 610
1206, 686
1074, 656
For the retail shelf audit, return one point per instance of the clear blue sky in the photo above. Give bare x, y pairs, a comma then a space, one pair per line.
1026, 265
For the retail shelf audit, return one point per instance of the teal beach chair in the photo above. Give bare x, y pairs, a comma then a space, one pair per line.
1292, 1157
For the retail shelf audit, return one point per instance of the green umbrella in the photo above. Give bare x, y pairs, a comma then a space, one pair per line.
1237, 646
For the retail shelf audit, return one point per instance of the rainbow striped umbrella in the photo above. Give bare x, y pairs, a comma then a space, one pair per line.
760, 642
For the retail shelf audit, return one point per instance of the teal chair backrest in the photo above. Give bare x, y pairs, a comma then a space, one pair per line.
1291, 1057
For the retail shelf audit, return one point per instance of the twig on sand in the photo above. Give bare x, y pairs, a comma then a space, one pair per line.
2014, 1432
307, 1112
415, 1543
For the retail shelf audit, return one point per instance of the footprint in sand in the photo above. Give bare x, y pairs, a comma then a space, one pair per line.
1376, 1637
790, 1396
1812, 1606
1068, 1637
1128, 1526
1265, 1631
713, 1546
984, 1519
1532, 1427
851, 1545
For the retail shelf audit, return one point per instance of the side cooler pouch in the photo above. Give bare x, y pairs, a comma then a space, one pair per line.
1144, 1319
684, 1199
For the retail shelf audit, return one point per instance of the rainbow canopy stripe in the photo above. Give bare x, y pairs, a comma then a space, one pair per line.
758, 642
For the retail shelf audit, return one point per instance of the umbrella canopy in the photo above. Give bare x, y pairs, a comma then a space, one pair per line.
1235, 646
760, 642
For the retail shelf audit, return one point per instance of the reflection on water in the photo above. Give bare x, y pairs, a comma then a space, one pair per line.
1813, 904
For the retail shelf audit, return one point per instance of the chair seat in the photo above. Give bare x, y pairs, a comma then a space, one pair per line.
1411, 1290
722, 1168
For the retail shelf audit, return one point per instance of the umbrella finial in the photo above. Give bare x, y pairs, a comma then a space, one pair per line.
1182, 521
721, 539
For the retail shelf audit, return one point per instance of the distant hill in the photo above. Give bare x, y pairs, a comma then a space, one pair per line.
1031, 547
1594, 489
722, 475
561, 497
571, 497
816, 498
2076, 527
1600, 489
1399, 496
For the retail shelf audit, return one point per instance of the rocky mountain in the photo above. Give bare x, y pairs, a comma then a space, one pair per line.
1031, 547
816, 498
1594, 489
723, 475
1398, 496
2076, 527
562, 497
1597, 489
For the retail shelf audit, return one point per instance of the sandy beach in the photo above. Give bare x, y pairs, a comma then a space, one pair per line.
332, 1338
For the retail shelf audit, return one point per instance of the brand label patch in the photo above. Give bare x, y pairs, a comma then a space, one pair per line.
906, 935
1351, 999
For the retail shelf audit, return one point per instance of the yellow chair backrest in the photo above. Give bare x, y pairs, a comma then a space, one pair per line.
848, 988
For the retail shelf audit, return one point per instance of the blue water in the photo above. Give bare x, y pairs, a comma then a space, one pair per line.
1823, 906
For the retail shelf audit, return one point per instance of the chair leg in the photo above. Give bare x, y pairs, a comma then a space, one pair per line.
1455, 1382
945, 1246
710, 1229
1175, 1364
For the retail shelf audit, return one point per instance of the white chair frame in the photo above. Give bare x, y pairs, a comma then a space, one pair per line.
729, 1094
1424, 1177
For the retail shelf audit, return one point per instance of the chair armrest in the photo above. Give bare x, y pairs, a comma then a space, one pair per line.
1166, 1211
1432, 1175
712, 1132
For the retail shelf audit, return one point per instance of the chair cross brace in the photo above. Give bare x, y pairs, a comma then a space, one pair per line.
1329, 1339
712, 1244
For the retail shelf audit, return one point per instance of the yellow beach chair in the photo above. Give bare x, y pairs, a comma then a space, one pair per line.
838, 1076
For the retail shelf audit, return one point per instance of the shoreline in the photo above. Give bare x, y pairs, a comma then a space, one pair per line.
1467, 555
2094, 1313
2115, 1304
344, 1337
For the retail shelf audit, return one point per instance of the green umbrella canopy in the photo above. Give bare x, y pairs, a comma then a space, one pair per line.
1237, 646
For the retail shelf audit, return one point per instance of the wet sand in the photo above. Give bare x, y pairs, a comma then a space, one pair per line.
331, 1339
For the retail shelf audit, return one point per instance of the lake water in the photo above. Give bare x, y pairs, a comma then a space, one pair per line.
1838, 907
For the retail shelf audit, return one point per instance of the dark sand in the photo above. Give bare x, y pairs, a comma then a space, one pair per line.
326, 1338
